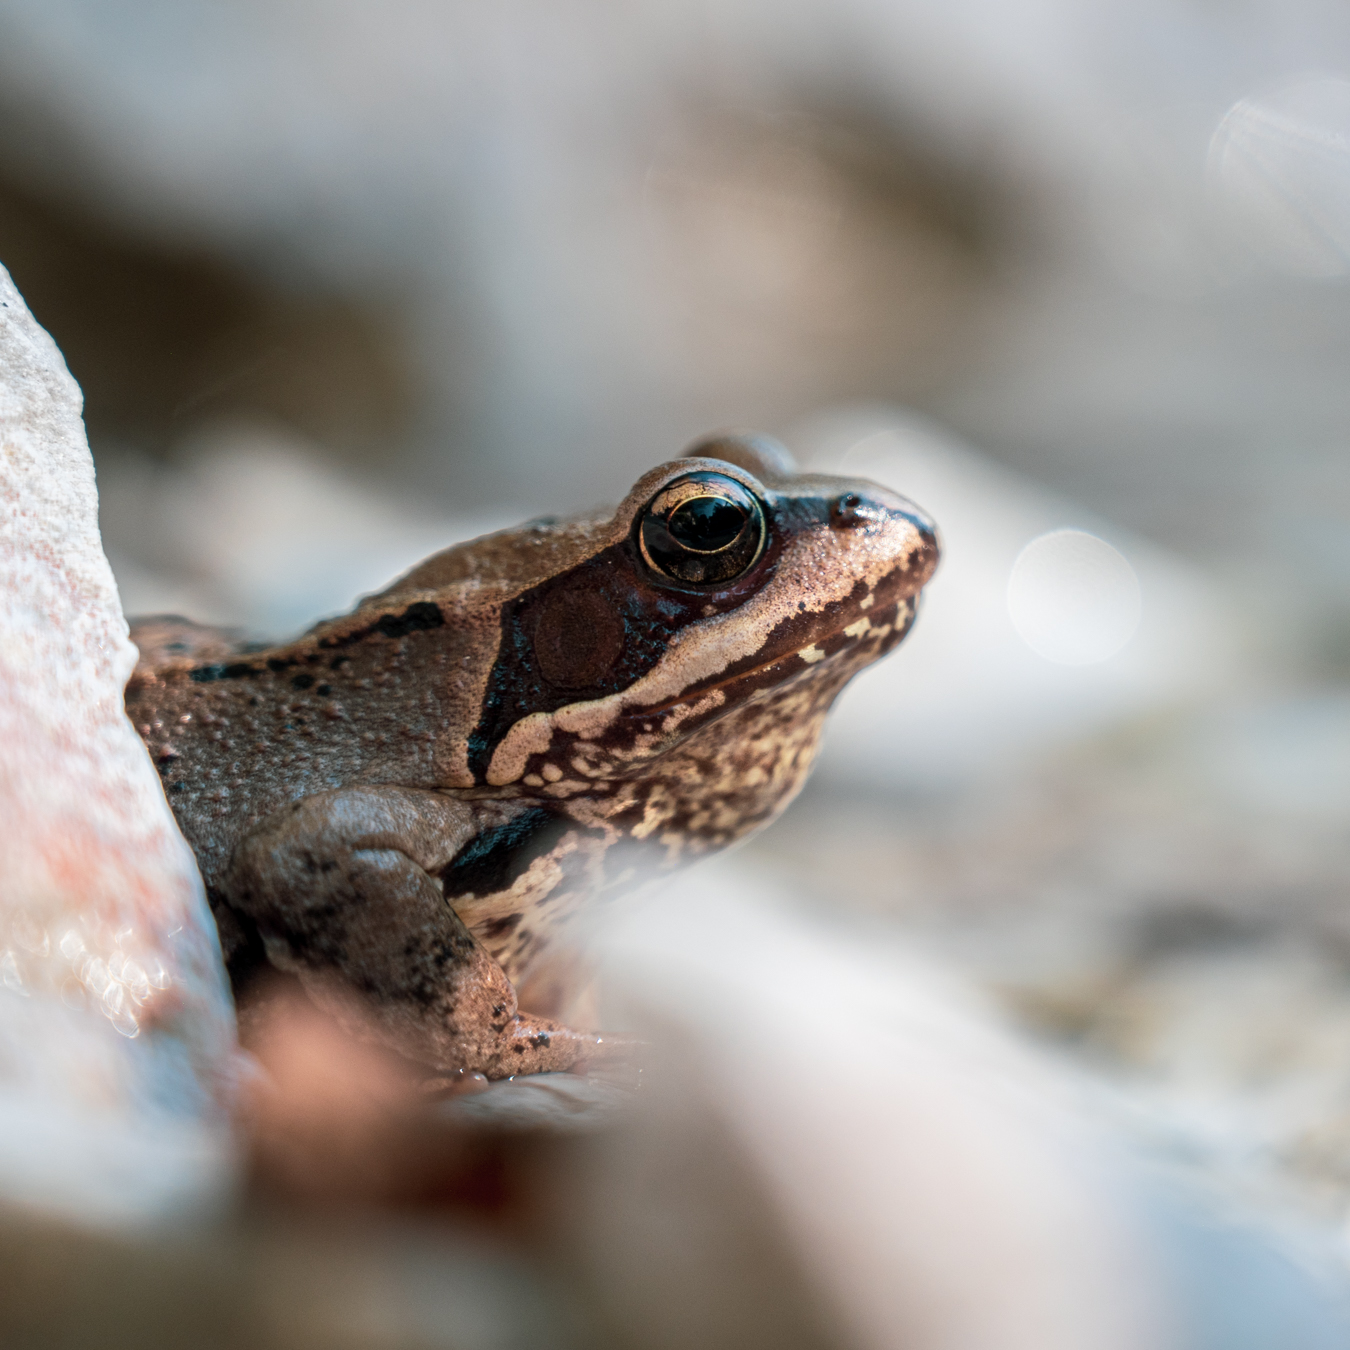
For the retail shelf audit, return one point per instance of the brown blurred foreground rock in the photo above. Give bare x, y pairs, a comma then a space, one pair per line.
267, 1282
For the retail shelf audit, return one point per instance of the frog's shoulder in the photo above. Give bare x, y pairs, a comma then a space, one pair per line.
166, 640
505, 562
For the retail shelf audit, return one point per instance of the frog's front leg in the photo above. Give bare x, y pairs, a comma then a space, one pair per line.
341, 886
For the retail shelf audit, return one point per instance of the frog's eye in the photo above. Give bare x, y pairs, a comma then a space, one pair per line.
704, 530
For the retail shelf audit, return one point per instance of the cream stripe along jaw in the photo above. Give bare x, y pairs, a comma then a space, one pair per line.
519, 725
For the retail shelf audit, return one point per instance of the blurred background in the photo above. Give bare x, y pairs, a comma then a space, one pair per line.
344, 283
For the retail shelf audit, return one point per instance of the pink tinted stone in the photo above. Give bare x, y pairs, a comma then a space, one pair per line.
114, 1007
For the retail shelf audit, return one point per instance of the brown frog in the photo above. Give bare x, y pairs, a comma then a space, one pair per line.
411, 803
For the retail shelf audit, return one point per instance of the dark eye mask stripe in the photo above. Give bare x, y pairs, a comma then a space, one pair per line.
638, 622
625, 612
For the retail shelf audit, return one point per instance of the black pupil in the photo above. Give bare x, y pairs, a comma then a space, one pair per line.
707, 524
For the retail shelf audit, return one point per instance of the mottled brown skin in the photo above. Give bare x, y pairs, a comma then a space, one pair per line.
409, 804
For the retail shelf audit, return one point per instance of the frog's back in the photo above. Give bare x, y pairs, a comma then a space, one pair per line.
238, 730
168, 640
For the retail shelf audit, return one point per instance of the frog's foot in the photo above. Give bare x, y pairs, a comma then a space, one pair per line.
541, 1045
341, 889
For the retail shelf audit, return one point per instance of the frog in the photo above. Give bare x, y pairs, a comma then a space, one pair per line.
411, 808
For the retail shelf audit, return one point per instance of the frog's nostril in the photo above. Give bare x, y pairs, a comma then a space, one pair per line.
847, 510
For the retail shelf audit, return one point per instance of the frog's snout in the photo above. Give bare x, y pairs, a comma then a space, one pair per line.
877, 511
923, 562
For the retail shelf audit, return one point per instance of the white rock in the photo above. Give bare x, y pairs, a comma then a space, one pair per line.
115, 1020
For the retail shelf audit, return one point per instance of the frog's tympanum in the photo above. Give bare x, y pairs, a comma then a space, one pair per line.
409, 804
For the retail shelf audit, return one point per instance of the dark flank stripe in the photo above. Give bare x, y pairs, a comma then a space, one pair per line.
492, 860
419, 617
235, 671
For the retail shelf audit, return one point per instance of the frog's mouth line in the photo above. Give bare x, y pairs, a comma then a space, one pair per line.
822, 651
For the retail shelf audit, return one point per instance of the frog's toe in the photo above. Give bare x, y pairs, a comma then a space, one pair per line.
541, 1045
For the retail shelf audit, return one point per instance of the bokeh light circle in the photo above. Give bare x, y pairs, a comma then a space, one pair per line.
1073, 598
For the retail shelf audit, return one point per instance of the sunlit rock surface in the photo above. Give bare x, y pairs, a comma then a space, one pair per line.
116, 1029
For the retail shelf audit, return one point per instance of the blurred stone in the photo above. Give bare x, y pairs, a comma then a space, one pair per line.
117, 1060
253, 528
594, 235
270, 1281
334, 1119
1163, 905
837, 1145
557, 1102
159, 336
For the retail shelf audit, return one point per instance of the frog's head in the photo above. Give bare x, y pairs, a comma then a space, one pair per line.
711, 619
